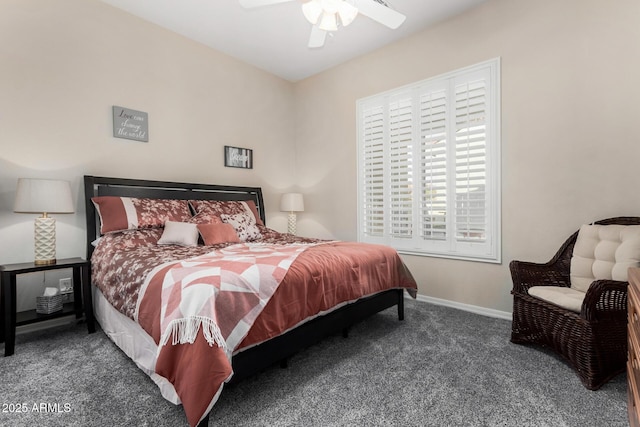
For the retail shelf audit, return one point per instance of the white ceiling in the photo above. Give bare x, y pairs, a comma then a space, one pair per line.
274, 38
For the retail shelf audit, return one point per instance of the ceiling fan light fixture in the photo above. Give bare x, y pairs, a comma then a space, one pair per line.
329, 22
312, 11
347, 13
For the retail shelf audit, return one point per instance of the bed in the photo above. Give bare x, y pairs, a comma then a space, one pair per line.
162, 291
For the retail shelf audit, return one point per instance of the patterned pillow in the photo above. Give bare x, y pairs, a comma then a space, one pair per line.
221, 207
244, 224
213, 234
128, 213
179, 233
206, 218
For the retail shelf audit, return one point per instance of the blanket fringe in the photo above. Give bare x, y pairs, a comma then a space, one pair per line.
183, 331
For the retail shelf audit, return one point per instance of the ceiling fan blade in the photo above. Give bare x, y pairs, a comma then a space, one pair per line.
317, 37
381, 13
248, 4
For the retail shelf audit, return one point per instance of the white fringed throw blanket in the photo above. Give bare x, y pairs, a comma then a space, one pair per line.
193, 292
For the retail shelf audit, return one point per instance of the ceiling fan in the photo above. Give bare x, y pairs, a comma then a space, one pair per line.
325, 14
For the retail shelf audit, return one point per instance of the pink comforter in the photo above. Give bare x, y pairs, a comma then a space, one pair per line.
322, 278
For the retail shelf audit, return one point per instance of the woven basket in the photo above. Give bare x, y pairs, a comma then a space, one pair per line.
48, 305
66, 297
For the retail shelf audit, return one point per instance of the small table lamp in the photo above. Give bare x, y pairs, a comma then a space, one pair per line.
292, 203
44, 196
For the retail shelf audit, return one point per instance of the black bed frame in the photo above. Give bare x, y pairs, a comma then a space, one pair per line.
262, 356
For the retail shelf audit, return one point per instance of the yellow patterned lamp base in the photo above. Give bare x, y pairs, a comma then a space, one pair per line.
45, 240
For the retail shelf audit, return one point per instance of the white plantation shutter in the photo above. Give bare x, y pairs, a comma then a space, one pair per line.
429, 166
471, 172
400, 167
433, 165
372, 210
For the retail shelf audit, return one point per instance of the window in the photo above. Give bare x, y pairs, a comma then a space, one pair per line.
429, 166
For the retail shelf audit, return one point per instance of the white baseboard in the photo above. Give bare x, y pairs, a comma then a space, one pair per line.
466, 307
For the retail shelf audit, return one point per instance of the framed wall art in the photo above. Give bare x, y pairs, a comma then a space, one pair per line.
130, 124
236, 157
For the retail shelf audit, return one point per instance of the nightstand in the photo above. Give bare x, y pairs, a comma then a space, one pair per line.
10, 319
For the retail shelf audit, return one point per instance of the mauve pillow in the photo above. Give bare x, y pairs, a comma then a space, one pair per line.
215, 233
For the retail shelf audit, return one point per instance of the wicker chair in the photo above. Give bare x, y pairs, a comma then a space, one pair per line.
594, 341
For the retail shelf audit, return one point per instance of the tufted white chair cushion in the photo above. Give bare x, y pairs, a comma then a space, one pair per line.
600, 252
604, 252
559, 295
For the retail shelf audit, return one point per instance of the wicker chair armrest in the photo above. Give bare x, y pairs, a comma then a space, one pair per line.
527, 274
605, 299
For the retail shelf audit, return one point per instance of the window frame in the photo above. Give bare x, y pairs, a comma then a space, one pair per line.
488, 250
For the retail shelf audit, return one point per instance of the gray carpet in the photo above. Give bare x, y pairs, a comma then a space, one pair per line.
439, 367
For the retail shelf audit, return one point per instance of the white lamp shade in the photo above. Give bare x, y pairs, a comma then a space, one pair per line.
347, 13
292, 202
312, 11
43, 195
328, 22
327, 9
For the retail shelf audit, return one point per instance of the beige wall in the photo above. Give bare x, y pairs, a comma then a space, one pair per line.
569, 120
569, 128
65, 63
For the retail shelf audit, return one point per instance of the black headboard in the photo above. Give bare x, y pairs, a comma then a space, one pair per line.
103, 186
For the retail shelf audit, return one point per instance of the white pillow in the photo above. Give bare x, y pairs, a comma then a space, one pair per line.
179, 233
604, 252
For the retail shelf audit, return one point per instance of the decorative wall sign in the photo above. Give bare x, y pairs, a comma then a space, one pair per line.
236, 157
130, 124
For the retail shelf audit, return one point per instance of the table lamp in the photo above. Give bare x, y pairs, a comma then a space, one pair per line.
45, 196
292, 203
